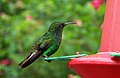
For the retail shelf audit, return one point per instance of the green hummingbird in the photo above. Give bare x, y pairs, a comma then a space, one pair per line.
47, 44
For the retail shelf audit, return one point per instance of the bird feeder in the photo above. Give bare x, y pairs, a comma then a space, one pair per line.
106, 63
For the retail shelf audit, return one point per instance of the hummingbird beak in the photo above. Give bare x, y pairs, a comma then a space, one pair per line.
70, 23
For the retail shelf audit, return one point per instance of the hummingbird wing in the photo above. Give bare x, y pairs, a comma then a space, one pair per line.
39, 48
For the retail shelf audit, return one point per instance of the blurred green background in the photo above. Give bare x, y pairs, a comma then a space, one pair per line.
23, 21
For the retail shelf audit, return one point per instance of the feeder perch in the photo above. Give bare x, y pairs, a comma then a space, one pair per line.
106, 63
63, 58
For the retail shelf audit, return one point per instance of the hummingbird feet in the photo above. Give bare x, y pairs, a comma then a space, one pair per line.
45, 58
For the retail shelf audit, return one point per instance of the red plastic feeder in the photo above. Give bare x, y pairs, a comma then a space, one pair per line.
102, 64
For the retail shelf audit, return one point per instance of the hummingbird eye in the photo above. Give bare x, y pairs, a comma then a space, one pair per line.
60, 25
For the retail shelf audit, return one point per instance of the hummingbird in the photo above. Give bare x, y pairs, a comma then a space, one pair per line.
47, 44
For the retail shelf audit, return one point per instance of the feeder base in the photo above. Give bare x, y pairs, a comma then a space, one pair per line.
100, 65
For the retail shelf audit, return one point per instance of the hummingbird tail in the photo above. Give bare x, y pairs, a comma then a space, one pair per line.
29, 59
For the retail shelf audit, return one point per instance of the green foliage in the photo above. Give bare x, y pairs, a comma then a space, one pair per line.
23, 21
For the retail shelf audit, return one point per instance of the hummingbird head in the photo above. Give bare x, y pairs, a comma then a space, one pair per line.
57, 26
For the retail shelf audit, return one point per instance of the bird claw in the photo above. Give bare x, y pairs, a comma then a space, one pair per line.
45, 58
48, 61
